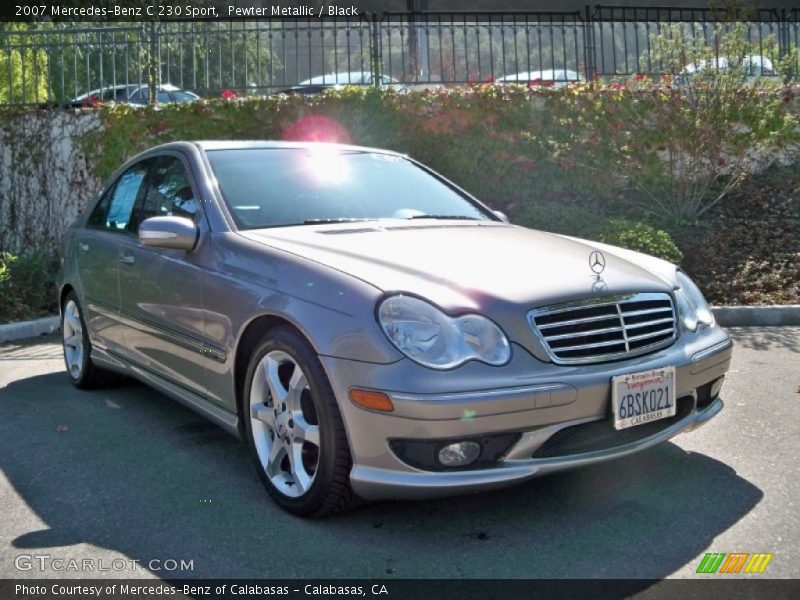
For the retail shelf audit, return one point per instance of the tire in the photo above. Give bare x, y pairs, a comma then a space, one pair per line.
293, 427
77, 348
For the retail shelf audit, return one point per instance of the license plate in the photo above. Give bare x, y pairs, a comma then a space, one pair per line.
642, 397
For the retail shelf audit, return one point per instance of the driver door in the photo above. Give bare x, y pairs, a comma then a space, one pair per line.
161, 290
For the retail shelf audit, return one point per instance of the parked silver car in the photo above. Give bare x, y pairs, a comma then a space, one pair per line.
135, 95
371, 329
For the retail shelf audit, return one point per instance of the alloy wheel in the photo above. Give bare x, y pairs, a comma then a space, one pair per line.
284, 424
72, 330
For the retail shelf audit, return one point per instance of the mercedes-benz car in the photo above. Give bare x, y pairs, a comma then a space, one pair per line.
370, 329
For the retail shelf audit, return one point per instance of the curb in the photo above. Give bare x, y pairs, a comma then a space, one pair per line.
11, 332
727, 316
757, 316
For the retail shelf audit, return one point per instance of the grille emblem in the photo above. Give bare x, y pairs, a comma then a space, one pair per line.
597, 262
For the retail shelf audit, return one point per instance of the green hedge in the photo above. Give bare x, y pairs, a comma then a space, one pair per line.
27, 286
588, 222
510, 146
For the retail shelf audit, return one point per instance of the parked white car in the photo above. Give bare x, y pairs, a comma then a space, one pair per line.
754, 65
338, 80
556, 78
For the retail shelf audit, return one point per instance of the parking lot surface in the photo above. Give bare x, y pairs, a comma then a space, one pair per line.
130, 481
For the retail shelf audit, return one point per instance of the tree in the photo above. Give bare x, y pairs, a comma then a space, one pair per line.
23, 65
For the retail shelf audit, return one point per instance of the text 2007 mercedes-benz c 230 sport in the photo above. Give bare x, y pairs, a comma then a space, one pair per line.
372, 330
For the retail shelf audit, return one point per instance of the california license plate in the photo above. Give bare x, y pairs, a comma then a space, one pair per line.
642, 397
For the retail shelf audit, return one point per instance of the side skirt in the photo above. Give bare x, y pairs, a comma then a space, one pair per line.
227, 420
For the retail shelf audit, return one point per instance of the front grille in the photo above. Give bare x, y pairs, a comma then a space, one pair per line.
601, 435
605, 329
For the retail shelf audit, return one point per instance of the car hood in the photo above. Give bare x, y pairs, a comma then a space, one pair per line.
470, 266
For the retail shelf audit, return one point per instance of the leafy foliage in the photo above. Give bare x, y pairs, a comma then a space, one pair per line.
23, 66
588, 222
27, 286
642, 238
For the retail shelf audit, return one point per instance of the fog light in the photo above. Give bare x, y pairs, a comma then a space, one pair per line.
715, 389
459, 454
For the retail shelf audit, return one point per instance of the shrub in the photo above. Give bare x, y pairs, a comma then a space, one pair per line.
588, 222
27, 286
641, 237
567, 219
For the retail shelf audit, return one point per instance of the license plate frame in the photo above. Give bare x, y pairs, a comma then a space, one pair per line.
653, 390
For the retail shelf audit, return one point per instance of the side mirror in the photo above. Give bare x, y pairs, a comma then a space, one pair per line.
177, 233
500, 215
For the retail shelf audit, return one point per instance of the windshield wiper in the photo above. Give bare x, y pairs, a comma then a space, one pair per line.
327, 221
460, 217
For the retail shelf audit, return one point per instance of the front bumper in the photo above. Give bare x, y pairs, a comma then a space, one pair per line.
528, 397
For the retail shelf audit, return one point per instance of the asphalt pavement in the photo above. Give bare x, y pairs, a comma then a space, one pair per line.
126, 481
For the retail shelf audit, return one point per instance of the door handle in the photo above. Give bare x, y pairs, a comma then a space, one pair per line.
127, 259
83, 246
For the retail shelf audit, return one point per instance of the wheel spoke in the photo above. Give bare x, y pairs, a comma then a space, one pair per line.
276, 389
73, 321
264, 414
297, 384
302, 480
258, 389
275, 458
306, 432
73, 341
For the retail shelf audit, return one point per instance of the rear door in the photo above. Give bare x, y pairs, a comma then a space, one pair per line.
98, 253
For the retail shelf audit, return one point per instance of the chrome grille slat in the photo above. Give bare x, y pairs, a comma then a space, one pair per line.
654, 334
579, 321
619, 342
564, 336
591, 304
605, 329
648, 311
649, 323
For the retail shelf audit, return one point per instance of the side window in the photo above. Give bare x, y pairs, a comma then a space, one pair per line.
98, 216
124, 196
169, 192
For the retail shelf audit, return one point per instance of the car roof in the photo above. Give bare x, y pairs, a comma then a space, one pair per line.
545, 74
341, 77
750, 60
211, 145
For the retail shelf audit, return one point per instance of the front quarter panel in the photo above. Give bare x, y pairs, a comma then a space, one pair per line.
248, 280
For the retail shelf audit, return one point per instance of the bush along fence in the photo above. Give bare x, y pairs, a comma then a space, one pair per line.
623, 163
513, 147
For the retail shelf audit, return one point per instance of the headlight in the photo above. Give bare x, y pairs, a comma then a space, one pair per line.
427, 335
692, 307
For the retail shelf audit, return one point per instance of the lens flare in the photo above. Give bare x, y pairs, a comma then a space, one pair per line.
325, 165
316, 128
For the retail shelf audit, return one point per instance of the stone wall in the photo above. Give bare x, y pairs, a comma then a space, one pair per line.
45, 179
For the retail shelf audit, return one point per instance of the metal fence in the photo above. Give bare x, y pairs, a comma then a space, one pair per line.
62, 63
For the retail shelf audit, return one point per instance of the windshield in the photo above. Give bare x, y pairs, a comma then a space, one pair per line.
266, 187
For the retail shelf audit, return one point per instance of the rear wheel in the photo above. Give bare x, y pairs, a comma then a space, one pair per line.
293, 427
78, 349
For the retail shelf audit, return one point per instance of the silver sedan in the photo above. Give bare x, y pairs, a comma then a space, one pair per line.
372, 330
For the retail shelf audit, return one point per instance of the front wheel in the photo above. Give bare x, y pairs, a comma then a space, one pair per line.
293, 427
